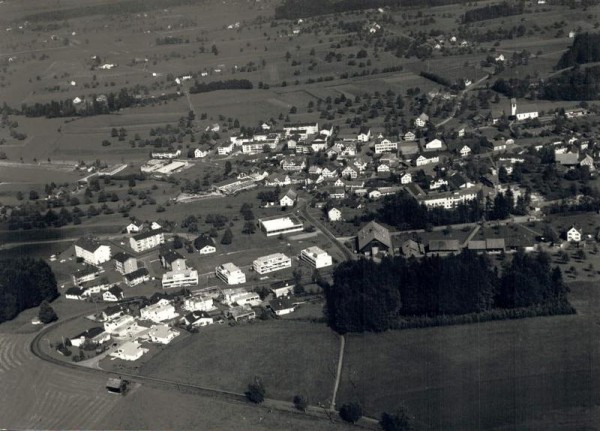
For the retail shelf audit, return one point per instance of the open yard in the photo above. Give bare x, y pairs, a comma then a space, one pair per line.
520, 374
290, 357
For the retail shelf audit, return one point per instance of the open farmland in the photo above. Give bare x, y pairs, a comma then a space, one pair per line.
290, 357
521, 374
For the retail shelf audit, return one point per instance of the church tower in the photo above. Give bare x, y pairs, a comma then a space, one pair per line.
513, 107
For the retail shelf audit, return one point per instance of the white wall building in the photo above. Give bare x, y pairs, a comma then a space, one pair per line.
129, 351
271, 263
280, 225
198, 303
91, 251
316, 257
334, 214
162, 310
147, 240
385, 146
183, 278
230, 273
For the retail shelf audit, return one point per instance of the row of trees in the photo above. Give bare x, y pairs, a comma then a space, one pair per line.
493, 11
229, 84
24, 283
366, 296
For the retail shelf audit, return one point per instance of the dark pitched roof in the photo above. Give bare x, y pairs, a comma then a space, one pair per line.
140, 272
444, 245
281, 304
374, 231
122, 257
148, 234
170, 256
202, 241
74, 291
87, 243
116, 290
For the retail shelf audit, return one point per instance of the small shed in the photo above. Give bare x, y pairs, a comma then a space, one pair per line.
116, 385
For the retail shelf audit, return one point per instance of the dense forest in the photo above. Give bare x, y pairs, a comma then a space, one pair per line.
24, 283
576, 84
512, 87
230, 84
492, 11
369, 296
585, 49
293, 9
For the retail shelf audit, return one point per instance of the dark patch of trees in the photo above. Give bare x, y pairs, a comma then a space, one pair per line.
585, 49
512, 87
366, 296
230, 84
24, 283
492, 12
436, 78
575, 84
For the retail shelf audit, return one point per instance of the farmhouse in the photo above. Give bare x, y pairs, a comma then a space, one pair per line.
410, 247
91, 251
443, 247
271, 263
136, 277
422, 160
180, 278
205, 244
289, 199
230, 274
465, 151
129, 351
422, 120
316, 257
374, 238
125, 263
95, 335
147, 240
280, 225
434, 145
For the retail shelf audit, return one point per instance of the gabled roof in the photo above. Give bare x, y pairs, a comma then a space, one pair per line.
444, 245
202, 241
140, 272
116, 291
374, 231
281, 304
292, 194
122, 257
74, 291
170, 256
148, 234
89, 244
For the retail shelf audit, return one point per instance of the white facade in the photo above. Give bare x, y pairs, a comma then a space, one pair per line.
129, 351
93, 256
271, 263
173, 279
230, 274
120, 324
198, 303
465, 151
207, 249
450, 200
334, 214
527, 115
406, 178
280, 225
573, 235
162, 334
162, 310
434, 144
146, 241
422, 160
316, 257
385, 146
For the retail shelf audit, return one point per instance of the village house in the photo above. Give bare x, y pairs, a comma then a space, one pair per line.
329, 172
291, 164
374, 238
225, 148
574, 234
465, 151
113, 294
129, 351
96, 335
158, 312
197, 319
136, 277
205, 244
240, 313
434, 145
334, 214
76, 293
409, 136
281, 306
85, 274
422, 160
172, 260
364, 137
289, 199
385, 145
198, 303
349, 172
406, 178
282, 288
421, 120
198, 153
125, 263
162, 334
91, 251
383, 168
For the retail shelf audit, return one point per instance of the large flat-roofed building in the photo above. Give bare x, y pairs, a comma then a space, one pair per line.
147, 240
280, 225
316, 257
186, 277
272, 262
230, 273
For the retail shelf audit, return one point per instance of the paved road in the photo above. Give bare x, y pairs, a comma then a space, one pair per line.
462, 93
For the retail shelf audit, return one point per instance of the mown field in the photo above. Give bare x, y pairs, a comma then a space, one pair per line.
501, 375
290, 357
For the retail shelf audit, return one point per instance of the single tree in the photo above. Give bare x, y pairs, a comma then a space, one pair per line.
351, 412
46, 313
398, 421
249, 228
301, 402
256, 391
227, 237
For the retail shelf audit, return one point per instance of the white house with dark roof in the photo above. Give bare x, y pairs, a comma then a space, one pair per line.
289, 199
421, 120
113, 294
205, 244
574, 234
147, 240
92, 251
334, 214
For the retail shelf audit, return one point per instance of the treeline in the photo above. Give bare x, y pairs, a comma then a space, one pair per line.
367, 296
125, 98
230, 84
436, 78
492, 11
294, 9
171, 40
24, 283
585, 49
124, 7
404, 212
